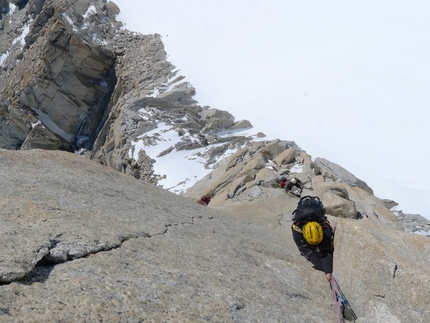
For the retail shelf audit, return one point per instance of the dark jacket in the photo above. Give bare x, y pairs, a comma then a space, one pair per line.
321, 256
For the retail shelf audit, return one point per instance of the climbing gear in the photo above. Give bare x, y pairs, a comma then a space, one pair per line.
336, 300
313, 233
293, 180
295, 191
343, 308
296, 228
309, 208
283, 178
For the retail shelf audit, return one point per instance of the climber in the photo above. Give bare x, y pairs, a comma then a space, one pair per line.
283, 181
294, 186
313, 234
204, 200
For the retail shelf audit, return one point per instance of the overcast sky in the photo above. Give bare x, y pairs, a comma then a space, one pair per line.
348, 81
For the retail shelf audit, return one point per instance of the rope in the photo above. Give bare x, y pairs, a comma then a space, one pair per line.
335, 297
344, 298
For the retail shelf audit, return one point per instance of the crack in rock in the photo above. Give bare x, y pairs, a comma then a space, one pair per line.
380, 296
57, 252
394, 271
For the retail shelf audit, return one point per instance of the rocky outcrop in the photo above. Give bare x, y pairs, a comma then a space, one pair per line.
60, 73
253, 172
339, 174
413, 223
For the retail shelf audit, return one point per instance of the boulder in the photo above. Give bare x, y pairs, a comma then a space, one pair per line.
273, 149
41, 138
266, 175
286, 157
337, 203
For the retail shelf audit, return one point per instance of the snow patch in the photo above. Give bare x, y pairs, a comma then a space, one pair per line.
35, 124
91, 11
21, 38
25, 31
3, 57
424, 233
296, 169
70, 21
178, 170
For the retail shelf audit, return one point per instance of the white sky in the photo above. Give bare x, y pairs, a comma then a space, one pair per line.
348, 81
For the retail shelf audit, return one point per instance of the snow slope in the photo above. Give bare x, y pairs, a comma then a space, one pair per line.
349, 82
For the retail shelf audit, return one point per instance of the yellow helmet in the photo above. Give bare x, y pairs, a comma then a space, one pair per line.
313, 233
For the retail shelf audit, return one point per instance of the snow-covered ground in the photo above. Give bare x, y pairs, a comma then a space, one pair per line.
348, 81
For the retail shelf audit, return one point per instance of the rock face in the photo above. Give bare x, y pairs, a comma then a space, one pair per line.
59, 73
85, 243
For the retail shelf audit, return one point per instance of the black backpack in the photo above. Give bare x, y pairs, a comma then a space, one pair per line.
308, 209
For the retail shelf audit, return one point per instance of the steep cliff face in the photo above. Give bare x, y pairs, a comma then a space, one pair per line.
57, 70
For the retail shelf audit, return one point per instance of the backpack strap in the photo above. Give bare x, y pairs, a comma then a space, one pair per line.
309, 197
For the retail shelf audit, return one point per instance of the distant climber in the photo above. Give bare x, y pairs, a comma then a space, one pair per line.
313, 234
204, 200
283, 181
294, 186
